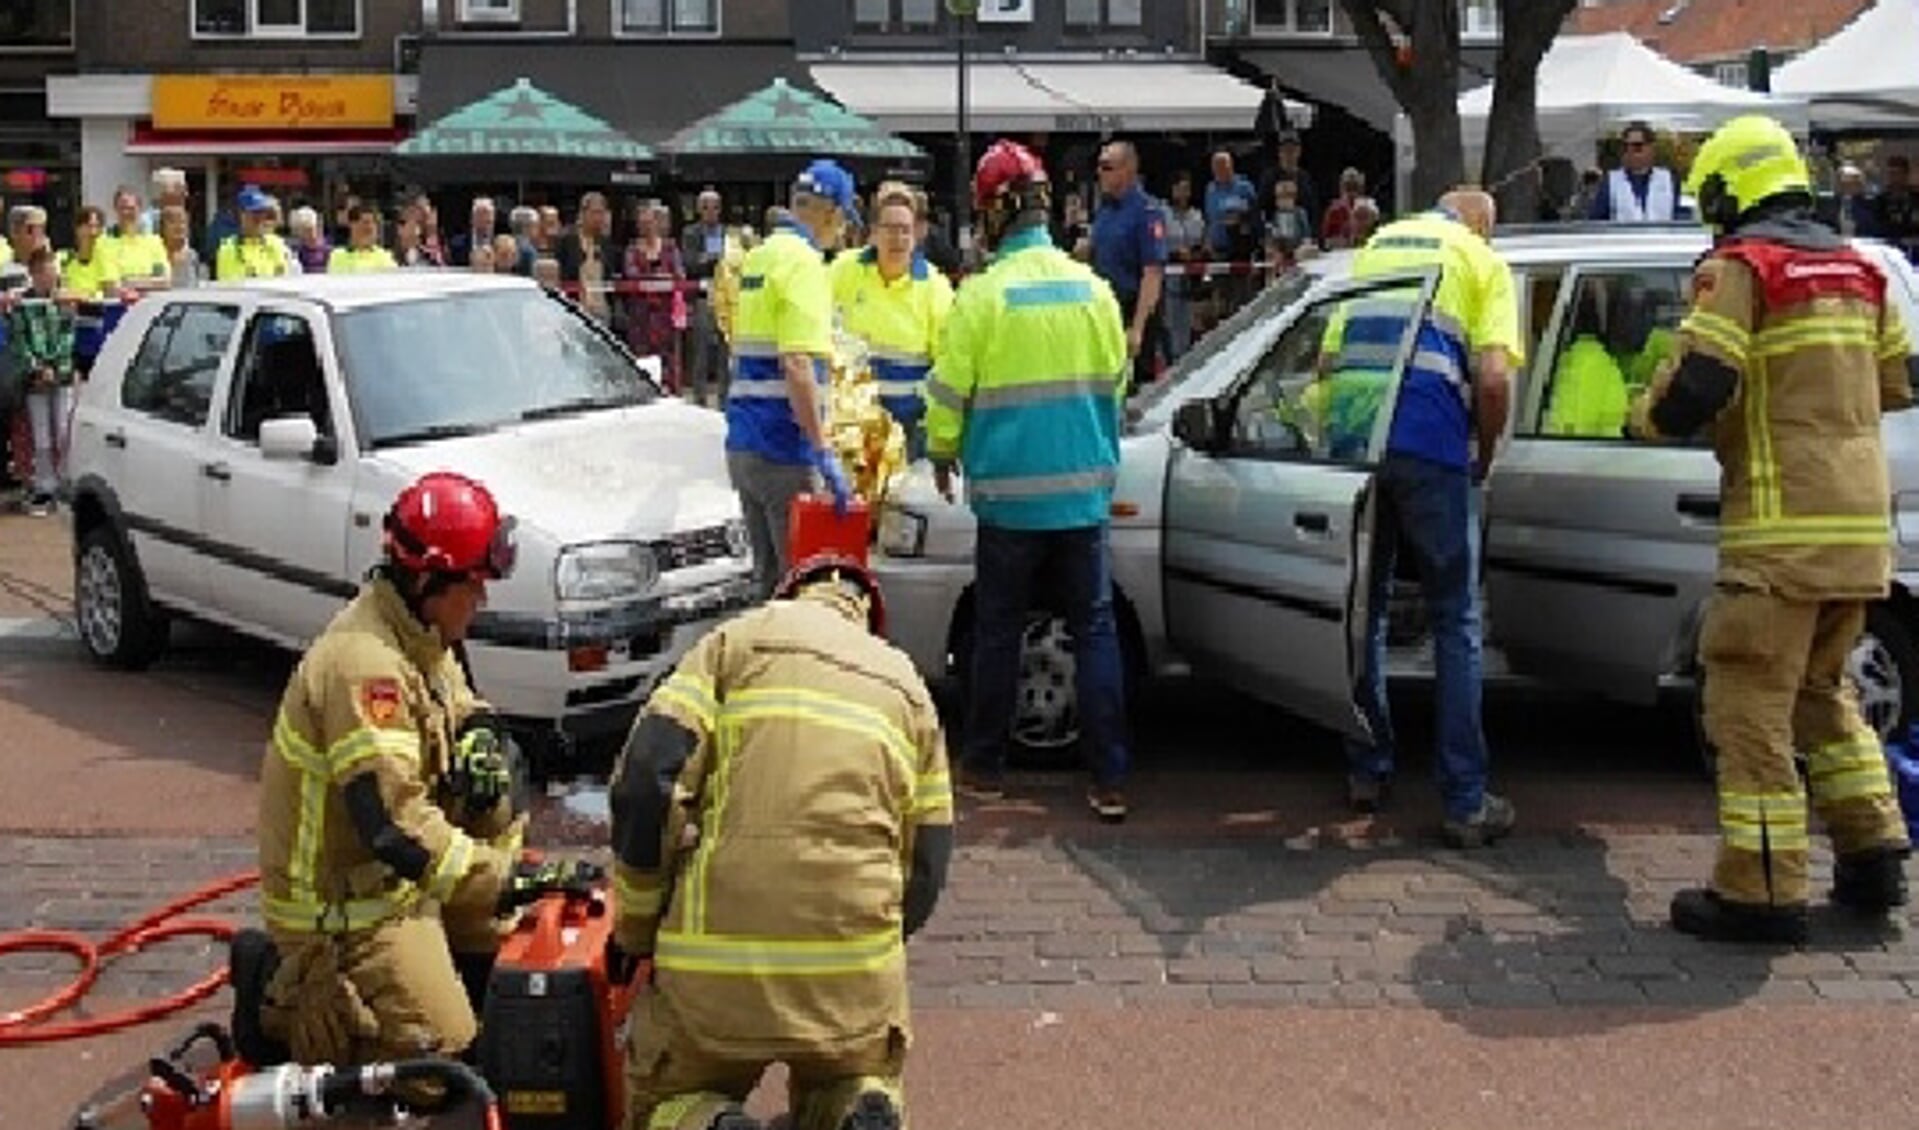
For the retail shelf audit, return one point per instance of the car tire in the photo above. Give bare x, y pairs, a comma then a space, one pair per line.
113, 612
1045, 731
1884, 668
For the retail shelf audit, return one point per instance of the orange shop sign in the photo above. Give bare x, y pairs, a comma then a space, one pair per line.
272, 101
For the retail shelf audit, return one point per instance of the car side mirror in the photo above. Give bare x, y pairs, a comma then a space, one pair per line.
289, 437
1195, 425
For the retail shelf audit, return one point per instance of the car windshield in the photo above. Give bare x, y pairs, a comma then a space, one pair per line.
466, 363
1284, 291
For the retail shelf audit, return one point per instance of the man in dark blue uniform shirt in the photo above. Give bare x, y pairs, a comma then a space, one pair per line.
1129, 252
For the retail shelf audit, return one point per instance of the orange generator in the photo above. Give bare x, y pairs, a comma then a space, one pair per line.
550, 1039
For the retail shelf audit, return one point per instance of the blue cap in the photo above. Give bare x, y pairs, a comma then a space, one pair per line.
253, 200
827, 180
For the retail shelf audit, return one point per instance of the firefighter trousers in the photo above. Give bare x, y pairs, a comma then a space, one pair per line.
1776, 685
673, 1084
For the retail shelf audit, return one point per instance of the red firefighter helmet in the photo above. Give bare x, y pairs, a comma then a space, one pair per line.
1007, 166
823, 566
448, 523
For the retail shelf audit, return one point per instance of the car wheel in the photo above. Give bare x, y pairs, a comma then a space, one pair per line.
112, 610
1046, 726
1883, 667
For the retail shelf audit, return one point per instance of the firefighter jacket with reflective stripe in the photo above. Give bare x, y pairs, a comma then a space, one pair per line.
813, 758
1474, 309
785, 307
1028, 389
1819, 354
900, 322
379, 694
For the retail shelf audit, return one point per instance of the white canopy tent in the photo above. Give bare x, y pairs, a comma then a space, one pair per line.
1589, 85
1866, 75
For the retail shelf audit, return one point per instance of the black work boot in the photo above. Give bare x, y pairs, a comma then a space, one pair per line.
875, 1111
1703, 913
1870, 882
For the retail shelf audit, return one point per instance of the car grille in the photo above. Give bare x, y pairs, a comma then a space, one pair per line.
694, 547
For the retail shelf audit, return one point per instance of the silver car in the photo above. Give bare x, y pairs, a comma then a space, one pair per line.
1240, 544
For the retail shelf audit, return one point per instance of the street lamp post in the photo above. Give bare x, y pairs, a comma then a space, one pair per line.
962, 10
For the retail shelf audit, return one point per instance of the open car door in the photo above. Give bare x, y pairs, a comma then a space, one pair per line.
1268, 537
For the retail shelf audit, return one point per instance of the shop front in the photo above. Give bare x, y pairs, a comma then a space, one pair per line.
39, 158
308, 138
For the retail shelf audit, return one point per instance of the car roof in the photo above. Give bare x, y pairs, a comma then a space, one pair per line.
372, 288
1582, 243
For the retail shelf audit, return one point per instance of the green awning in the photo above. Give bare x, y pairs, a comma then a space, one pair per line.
523, 125
782, 122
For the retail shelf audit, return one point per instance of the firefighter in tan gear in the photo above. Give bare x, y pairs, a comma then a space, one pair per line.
782, 821
389, 836
1791, 351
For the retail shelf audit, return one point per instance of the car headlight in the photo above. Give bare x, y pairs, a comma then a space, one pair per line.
902, 533
604, 570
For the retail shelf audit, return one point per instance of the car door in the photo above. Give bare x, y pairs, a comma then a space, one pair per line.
1600, 548
1268, 518
146, 443
279, 523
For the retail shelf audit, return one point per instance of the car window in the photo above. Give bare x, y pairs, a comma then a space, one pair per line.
1317, 393
278, 375
475, 361
172, 374
1156, 399
1621, 325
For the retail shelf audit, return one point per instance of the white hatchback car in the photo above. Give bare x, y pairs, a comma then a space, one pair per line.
237, 446
1242, 560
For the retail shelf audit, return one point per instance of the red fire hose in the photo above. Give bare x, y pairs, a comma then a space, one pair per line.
28, 1026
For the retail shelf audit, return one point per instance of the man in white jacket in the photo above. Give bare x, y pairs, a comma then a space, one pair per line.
1638, 191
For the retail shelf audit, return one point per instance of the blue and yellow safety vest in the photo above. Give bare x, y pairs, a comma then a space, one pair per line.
1028, 389
900, 322
785, 306
1473, 309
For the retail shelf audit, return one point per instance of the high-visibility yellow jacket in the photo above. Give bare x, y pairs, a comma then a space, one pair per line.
808, 754
786, 307
900, 322
349, 261
1028, 389
351, 833
1588, 395
257, 258
1791, 352
141, 255
90, 277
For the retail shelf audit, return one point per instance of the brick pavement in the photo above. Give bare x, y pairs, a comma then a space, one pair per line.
1105, 920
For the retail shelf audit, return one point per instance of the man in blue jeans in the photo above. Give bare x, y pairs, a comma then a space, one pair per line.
1451, 410
1026, 394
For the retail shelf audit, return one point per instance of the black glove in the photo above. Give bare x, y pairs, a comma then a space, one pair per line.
480, 775
620, 965
530, 881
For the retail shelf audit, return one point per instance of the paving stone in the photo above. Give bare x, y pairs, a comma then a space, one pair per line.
1208, 970
1861, 990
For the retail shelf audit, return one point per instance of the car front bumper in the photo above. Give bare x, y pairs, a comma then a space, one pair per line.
922, 595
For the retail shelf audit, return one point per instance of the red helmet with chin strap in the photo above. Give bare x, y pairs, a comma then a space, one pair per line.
828, 565
1007, 166
449, 524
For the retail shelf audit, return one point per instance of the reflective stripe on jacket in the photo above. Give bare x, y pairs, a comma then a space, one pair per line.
1820, 354
900, 322
376, 693
816, 756
1029, 387
785, 307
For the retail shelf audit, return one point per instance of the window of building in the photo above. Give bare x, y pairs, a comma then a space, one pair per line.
896, 15
1104, 13
172, 376
1732, 74
34, 25
667, 17
1479, 19
1300, 17
276, 19
489, 11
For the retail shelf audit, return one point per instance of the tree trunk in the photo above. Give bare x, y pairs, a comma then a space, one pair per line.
1426, 86
1510, 166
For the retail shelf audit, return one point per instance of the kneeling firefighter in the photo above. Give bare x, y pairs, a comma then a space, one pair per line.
1791, 352
389, 832
782, 822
